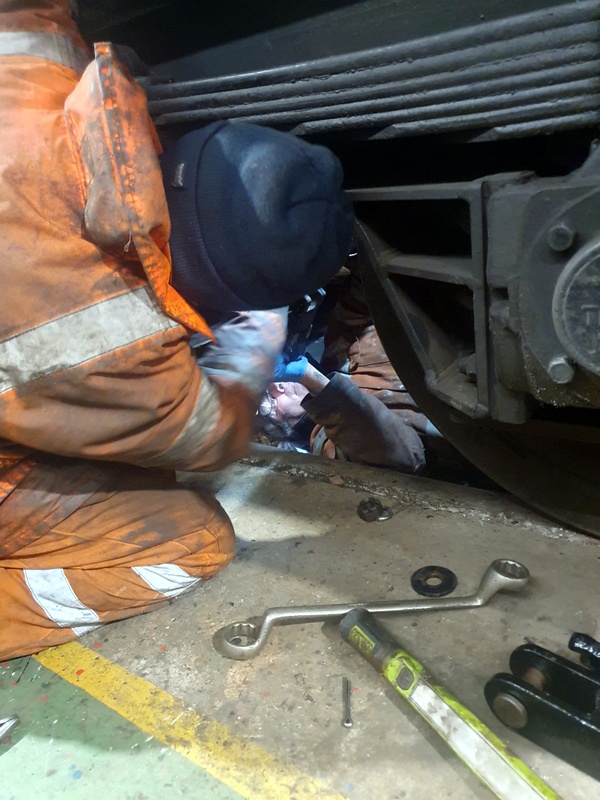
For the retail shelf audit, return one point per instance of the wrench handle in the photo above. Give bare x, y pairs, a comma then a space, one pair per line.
482, 751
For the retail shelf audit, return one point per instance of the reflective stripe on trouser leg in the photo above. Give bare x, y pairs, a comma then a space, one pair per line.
52, 591
45, 607
129, 550
167, 579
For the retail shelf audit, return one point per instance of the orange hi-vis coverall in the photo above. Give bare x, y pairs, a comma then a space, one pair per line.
96, 370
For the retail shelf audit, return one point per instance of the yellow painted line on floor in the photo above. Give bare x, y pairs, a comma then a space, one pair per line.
241, 765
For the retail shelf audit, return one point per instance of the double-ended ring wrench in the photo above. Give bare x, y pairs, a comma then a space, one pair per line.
245, 640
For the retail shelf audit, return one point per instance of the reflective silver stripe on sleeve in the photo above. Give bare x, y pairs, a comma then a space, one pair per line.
79, 337
51, 46
167, 579
183, 454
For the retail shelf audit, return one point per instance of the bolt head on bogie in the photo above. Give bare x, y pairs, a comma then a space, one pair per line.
560, 237
561, 370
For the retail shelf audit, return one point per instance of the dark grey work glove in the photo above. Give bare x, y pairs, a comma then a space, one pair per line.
363, 428
246, 349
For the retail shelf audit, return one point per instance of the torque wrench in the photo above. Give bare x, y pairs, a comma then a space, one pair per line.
482, 751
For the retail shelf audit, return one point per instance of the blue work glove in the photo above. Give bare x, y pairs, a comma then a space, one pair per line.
290, 371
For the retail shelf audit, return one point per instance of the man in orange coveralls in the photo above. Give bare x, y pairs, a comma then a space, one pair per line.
109, 266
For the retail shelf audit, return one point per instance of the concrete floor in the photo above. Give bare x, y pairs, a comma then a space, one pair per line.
301, 541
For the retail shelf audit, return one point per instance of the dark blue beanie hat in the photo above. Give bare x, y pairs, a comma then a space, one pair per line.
258, 217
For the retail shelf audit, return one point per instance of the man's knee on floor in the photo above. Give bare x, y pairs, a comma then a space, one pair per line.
148, 521
211, 547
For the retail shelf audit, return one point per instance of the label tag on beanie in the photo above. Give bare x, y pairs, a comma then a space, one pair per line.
177, 182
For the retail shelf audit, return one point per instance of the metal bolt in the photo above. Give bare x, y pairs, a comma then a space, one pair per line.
510, 711
560, 237
561, 370
346, 690
372, 510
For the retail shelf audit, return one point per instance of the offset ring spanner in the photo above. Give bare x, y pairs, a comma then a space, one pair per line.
245, 640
